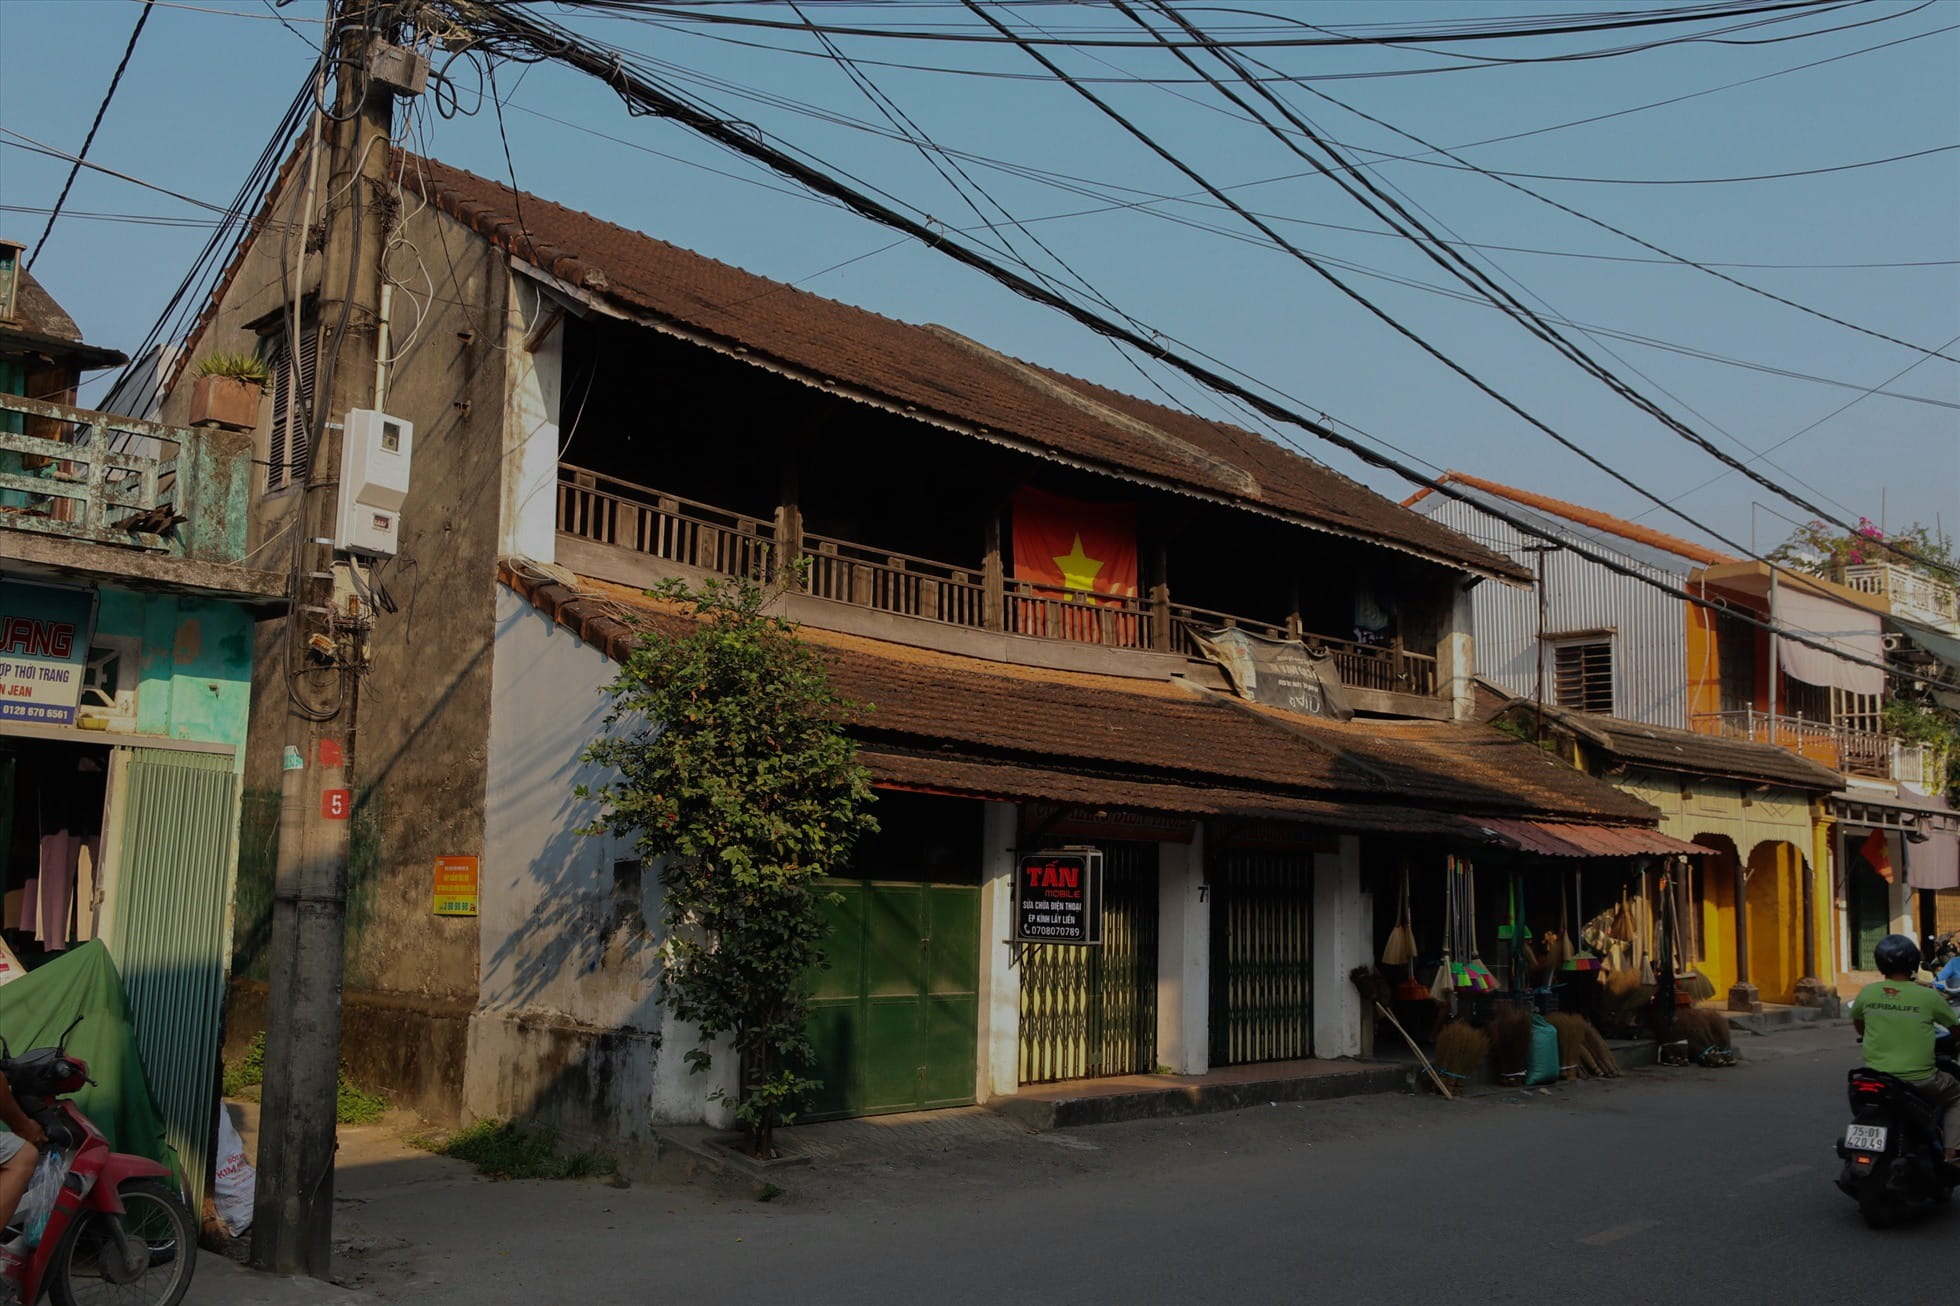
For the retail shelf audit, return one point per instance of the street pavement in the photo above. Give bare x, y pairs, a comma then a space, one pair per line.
1683, 1186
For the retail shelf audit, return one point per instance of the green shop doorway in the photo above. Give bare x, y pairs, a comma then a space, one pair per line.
895, 1016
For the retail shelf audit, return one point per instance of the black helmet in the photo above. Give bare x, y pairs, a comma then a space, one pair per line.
1896, 954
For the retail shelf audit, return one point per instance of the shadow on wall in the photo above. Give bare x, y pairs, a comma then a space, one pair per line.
571, 912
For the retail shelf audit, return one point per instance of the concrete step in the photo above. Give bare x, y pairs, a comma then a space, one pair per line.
1096, 1103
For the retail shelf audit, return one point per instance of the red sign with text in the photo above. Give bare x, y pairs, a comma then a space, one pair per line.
336, 804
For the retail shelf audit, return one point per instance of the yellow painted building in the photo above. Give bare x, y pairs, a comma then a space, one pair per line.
1759, 810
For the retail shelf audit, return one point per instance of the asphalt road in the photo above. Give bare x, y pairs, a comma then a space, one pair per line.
1678, 1186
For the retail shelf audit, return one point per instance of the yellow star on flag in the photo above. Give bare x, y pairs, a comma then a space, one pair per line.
1078, 568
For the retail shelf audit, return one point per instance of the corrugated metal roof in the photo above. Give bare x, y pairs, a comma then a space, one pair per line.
1567, 839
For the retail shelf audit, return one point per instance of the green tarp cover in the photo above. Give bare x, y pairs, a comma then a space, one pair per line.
35, 1008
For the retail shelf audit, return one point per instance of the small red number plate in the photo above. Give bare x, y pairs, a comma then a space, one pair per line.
336, 803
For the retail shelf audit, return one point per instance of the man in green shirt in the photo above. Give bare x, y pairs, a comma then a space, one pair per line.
1898, 1019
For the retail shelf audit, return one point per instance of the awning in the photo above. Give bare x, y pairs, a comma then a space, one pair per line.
1928, 830
1934, 864
1568, 839
1853, 630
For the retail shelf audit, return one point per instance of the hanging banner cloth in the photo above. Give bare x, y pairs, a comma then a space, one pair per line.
1278, 672
1072, 551
1852, 629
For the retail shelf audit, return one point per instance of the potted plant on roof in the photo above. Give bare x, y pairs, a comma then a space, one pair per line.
227, 390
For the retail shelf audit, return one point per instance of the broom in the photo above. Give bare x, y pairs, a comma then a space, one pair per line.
1510, 1039
1578, 957
1460, 1049
1400, 949
1581, 1051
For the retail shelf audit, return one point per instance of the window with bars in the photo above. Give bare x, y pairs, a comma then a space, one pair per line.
1582, 673
292, 402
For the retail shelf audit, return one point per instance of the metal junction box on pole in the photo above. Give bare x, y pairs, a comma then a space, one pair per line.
375, 451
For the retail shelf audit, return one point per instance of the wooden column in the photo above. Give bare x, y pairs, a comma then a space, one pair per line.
993, 572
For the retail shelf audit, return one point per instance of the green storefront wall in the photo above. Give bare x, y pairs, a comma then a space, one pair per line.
894, 1018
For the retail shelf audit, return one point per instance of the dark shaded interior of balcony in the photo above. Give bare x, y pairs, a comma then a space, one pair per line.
667, 444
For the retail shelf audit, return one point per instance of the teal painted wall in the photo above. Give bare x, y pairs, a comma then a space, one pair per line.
197, 663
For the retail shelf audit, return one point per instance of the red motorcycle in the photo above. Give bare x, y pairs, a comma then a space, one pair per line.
119, 1231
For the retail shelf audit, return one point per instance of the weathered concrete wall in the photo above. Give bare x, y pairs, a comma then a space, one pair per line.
1343, 923
418, 751
196, 670
568, 1029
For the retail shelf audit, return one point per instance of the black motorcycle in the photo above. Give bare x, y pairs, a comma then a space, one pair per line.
1893, 1150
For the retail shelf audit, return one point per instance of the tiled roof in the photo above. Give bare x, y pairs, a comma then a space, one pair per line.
1155, 739
39, 321
1589, 518
1690, 751
929, 371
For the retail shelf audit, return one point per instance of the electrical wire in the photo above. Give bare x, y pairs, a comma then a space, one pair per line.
101, 110
1572, 25
551, 41
1387, 319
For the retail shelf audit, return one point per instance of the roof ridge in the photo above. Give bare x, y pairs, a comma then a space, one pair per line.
1580, 516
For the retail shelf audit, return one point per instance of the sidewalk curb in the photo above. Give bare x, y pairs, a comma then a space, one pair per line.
220, 1281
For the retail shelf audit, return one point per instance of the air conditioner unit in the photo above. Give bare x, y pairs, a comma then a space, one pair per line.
375, 450
1895, 642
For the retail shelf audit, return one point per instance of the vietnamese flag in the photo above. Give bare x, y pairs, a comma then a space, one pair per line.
1073, 547
1073, 551
1874, 852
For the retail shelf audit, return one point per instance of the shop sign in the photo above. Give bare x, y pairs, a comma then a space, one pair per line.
44, 638
456, 881
1058, 897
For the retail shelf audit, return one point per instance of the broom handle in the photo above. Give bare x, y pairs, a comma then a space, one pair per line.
1434, 1078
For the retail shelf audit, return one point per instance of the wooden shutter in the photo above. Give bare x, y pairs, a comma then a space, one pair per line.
292, 404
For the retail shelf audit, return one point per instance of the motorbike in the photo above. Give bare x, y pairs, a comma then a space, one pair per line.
1894, 1151
119, 1231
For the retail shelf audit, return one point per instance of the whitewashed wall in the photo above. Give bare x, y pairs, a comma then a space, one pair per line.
568, 1028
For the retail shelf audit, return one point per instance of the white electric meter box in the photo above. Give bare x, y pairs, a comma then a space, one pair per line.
374, 456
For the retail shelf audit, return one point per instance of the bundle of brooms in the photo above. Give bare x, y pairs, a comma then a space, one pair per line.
1460, 1049
1581, 1050
1702, 1036
1510, 1039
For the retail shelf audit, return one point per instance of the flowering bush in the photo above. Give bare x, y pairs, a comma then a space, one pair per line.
1817, 548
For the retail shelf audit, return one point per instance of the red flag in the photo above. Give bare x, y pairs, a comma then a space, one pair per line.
1071, 552
1876, 855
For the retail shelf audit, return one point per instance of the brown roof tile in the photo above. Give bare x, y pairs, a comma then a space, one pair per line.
1691, 751
1144, 734
933, 371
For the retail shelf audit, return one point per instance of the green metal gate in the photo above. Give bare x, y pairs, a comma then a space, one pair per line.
1261, 957
895, 1018
173, 888
1088, 1011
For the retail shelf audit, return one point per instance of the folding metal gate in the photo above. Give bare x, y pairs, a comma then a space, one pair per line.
1089, 1011
1261, 957
169, 938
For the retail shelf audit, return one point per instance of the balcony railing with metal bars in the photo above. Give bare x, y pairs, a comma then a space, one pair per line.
102, 478
1911, 593
621, 514
1855, 752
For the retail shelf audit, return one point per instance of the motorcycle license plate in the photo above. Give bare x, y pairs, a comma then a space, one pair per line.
1865, 1138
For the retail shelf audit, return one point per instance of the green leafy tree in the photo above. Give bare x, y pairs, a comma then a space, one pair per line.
734, 773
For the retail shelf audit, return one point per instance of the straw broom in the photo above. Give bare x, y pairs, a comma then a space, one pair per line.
1581, 1050
1460, 1049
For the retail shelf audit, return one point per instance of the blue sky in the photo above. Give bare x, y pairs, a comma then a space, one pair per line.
1877, 246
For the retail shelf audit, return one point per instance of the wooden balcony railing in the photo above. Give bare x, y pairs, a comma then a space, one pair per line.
621, 514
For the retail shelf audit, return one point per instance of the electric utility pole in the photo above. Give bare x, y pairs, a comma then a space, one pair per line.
293, 1216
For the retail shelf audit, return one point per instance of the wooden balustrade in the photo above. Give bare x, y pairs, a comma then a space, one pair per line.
619, 513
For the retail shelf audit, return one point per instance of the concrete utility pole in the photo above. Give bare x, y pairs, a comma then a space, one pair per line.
293, 1215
